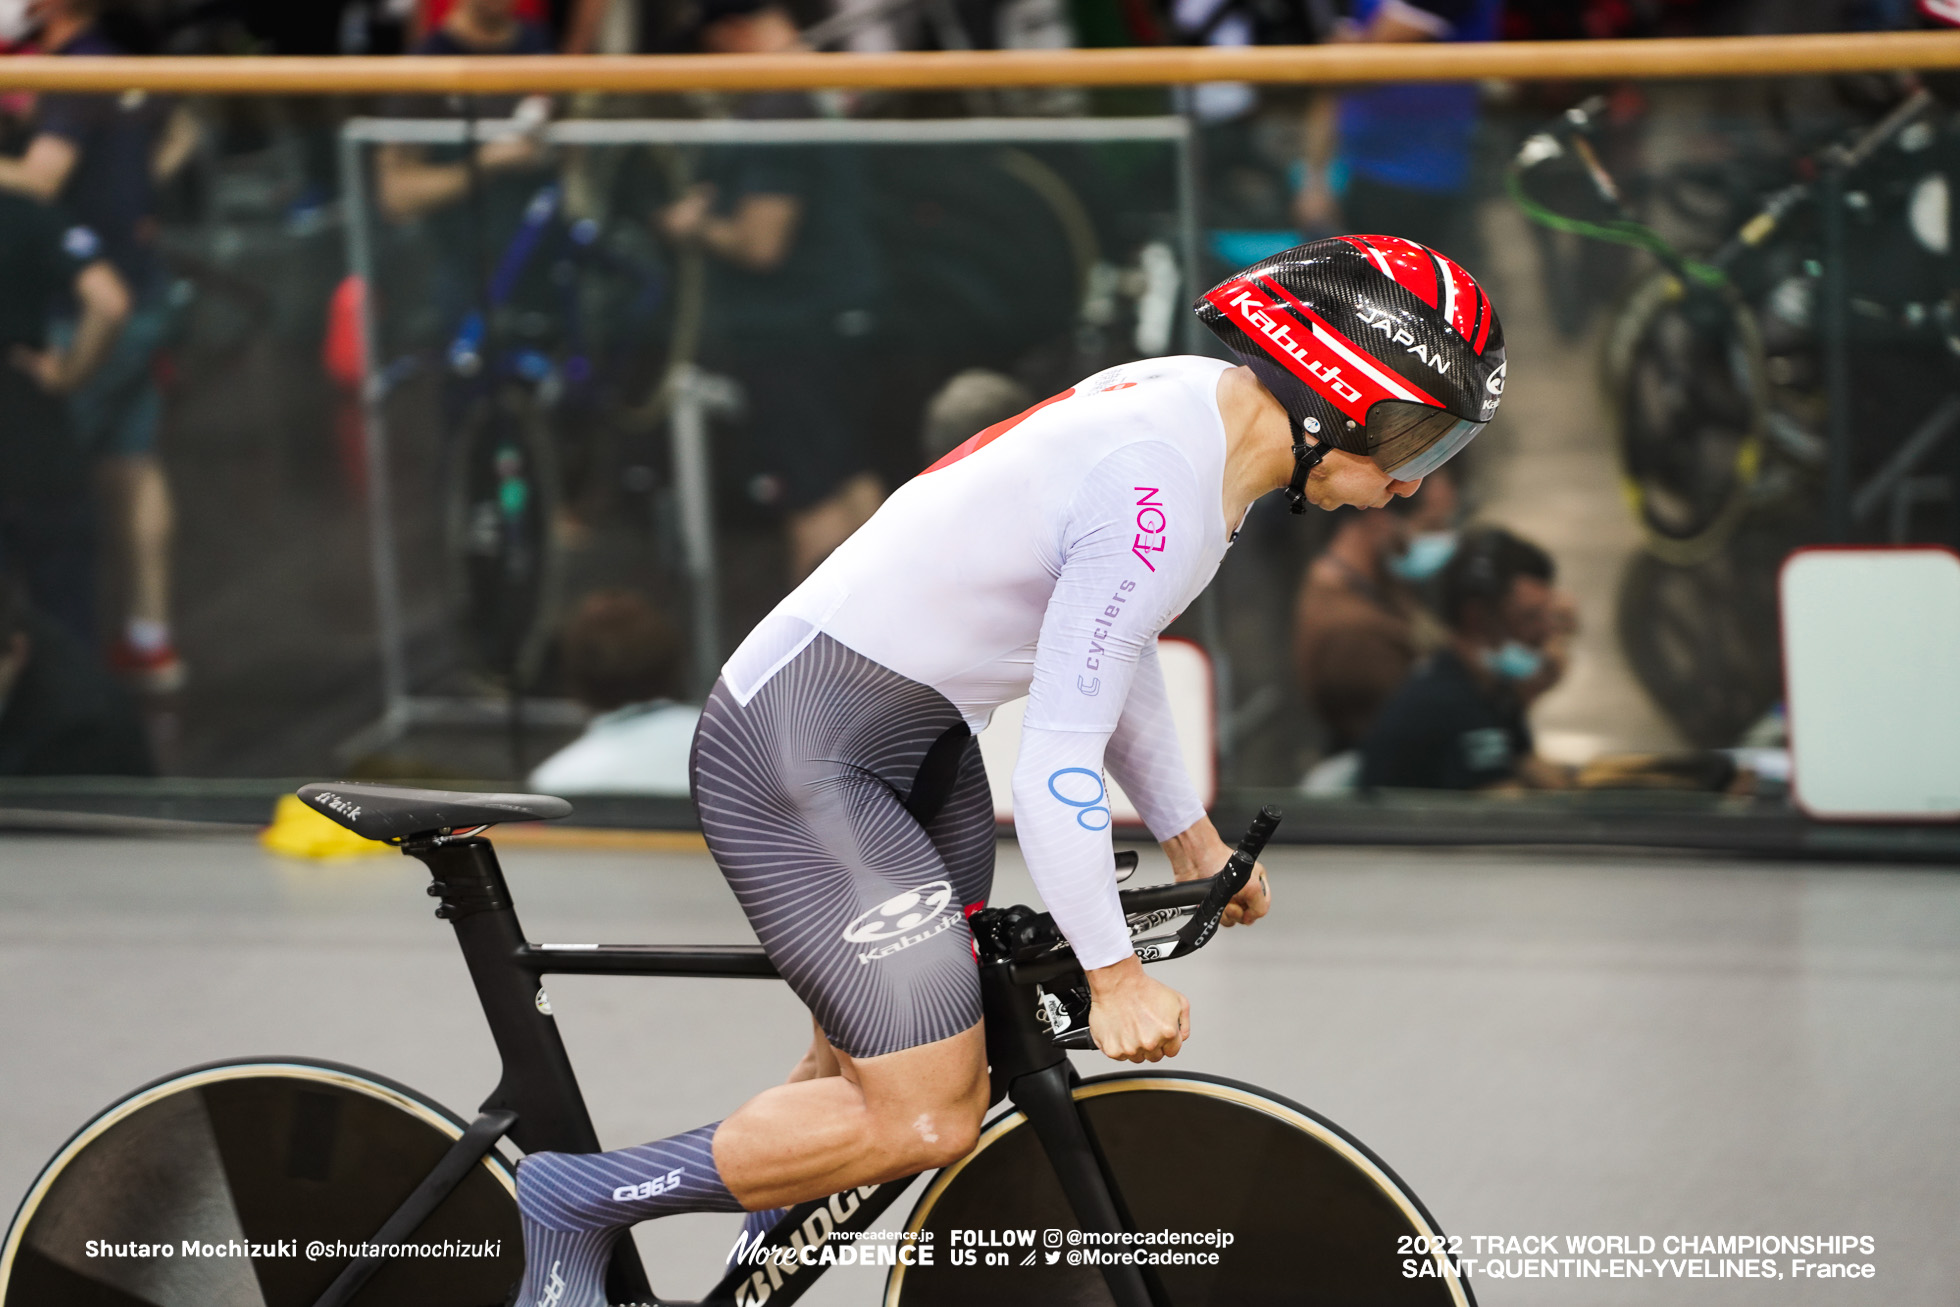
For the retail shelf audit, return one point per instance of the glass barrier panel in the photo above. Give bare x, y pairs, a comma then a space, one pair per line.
441, 426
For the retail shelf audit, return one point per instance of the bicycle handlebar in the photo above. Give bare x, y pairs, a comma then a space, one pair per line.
1068, 1010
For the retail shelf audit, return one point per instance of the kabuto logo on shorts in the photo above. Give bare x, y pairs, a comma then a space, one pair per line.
904, 920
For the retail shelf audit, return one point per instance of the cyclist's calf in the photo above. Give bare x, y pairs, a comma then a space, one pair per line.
880, 1119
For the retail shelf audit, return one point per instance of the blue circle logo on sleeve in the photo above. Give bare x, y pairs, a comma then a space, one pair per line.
1086, 805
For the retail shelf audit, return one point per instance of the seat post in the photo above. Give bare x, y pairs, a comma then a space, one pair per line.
538, 1083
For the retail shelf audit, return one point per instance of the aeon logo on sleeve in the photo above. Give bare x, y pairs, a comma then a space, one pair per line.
1151, 525
903, 920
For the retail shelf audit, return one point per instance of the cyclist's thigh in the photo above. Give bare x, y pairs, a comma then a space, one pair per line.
802, 793
963, 831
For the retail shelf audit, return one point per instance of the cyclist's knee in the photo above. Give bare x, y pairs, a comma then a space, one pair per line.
934, 1136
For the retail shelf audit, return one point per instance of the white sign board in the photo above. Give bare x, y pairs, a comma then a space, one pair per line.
1871, 658
1187, 682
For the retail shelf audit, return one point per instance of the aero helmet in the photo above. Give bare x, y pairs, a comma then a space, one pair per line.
1373, 344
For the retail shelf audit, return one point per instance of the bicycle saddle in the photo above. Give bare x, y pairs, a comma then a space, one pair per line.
386, 812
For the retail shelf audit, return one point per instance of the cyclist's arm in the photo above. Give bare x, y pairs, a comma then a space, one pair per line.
1144, 757
1115, 592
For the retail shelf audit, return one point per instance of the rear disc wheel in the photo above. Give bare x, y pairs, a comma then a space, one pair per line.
175, 1183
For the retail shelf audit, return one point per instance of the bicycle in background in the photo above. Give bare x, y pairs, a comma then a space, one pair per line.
1717, 370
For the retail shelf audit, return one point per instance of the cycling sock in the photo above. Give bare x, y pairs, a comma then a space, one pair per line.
574, 1206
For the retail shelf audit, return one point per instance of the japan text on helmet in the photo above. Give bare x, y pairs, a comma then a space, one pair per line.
1374, 344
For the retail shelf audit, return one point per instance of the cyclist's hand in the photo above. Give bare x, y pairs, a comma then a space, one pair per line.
1133, 1018
1252, 902
1199, 852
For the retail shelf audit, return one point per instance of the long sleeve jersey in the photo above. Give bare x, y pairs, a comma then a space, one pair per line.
1043, 557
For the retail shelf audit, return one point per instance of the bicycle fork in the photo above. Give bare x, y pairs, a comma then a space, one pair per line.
1034, 1073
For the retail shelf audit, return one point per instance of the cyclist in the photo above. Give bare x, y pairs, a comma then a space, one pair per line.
835, 768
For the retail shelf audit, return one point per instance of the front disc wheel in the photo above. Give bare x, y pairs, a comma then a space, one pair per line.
1311, 1214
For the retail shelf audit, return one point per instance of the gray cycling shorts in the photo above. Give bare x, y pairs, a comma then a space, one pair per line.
848, 807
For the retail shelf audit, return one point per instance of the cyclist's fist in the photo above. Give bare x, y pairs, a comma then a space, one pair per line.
1133, 1018
1252, 902
1199, 852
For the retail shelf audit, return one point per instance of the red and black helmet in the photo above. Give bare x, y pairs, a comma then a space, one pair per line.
1374, 344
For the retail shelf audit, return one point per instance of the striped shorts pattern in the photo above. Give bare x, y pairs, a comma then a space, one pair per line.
848, 807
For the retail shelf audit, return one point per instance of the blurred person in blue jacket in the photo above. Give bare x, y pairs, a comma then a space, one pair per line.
1395, 158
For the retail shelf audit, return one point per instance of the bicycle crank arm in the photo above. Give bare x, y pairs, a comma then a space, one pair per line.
471, 1147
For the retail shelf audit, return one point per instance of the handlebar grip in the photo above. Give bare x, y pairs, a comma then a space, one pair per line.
1070, 1009
1203, 925
1257, 834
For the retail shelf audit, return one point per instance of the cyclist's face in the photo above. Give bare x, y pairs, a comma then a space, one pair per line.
1351, 480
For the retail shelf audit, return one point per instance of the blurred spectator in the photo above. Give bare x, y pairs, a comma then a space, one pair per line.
1396, 158
1459, 722
60, 714
101, 158
583, 21
969, 402
413, 181
470, 202
624, 663
1359, 623
46, 537
794, 273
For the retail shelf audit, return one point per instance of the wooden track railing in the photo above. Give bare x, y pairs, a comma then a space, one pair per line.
1737, 56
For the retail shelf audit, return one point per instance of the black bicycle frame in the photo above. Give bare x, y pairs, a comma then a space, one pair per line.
538, 1103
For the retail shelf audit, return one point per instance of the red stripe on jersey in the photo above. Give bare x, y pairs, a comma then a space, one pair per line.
1409, 264
994, 432
1295, 346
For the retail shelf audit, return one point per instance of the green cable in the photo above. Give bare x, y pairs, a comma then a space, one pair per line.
1618, 232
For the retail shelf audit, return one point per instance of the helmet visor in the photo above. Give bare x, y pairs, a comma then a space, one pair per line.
1409, 441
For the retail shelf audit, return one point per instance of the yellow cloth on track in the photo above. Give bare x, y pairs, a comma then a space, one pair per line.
298, 831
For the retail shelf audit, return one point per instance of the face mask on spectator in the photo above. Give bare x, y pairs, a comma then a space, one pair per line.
1426, 555
1512, 661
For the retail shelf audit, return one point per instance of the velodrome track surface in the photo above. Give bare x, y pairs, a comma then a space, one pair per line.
1540, 1043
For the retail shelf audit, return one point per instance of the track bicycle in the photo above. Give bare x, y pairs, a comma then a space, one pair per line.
267, 1156
530, 389
1711, 364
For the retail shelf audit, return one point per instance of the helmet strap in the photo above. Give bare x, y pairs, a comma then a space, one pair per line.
1305, 459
